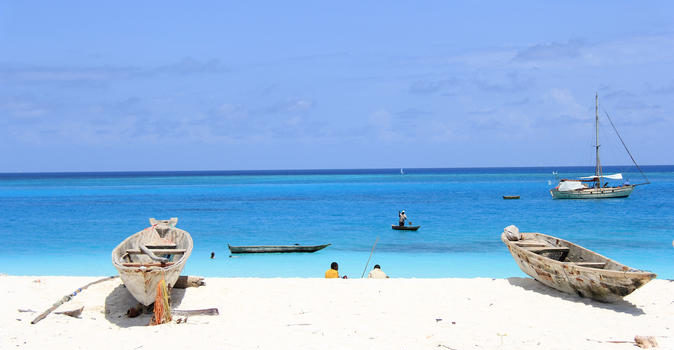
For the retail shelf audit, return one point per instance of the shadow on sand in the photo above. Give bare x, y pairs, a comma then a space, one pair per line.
535, 286
120, 300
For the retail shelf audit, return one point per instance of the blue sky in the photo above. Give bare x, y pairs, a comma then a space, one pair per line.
309, 85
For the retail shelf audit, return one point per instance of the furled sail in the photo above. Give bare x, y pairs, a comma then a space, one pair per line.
612, 177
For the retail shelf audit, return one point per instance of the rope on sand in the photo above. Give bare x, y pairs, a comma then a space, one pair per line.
162, 307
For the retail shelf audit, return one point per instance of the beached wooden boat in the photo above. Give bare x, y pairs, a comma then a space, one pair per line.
405, 228
511, 197
276, 248
143, 259
596, 186
571, 268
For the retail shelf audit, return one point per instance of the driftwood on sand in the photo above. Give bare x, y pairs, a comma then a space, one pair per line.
209, 312
189, 281
139, 309
67, 298
72, 313
642, 341
645, 342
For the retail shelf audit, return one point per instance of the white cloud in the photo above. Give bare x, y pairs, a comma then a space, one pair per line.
21, 108
565, 103
381, 122
551, 51
27, 73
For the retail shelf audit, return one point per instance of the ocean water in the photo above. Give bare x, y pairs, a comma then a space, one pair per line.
68, 223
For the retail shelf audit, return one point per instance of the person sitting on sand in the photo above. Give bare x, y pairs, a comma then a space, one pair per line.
401, 218
377, 272
333, 271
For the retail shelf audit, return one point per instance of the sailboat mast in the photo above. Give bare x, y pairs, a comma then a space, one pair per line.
597, 170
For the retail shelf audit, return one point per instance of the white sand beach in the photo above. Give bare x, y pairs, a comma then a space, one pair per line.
308, 313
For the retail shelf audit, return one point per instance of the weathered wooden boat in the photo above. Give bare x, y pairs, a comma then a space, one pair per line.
276, 248
405, 228
511, 197
143, 259
571, 268
590, 187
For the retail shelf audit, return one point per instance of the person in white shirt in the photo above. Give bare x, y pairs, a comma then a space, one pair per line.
377, 273
401, 218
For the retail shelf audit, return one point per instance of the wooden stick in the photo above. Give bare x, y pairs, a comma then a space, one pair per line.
368, 259
72, 313
147, 264
189, 281
67, 298
210, 312
157, 251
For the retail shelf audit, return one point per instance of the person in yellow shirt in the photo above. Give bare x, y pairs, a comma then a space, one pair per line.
333, 271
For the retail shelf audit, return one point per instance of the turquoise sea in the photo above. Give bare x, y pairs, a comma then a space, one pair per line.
68, 223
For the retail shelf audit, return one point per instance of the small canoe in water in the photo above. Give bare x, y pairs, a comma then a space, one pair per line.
571, 268
511, 197
276, 248
405, 228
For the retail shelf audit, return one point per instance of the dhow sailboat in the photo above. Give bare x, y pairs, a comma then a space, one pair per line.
590, 187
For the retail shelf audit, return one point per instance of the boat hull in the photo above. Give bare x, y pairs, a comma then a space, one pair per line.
405, 228
276, 249
141, 281
608, 284
593, 193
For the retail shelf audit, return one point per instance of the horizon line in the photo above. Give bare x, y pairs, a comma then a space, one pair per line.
310, 169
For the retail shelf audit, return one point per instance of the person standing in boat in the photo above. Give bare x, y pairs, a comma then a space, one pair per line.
401, 218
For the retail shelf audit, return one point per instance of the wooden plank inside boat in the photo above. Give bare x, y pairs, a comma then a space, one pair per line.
546, 249
531, 244
596, 265
147, 264
157, 251
162, 246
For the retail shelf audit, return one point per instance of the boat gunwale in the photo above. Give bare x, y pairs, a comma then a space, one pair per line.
320, 246
405, 228
176, 264
623, 191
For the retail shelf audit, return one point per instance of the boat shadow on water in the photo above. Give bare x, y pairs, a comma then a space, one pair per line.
119, 301
531, 284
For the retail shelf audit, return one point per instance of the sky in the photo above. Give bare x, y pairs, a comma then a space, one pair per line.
177, 85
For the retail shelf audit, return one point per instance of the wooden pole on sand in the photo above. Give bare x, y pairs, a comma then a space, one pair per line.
368, 259
67, 298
